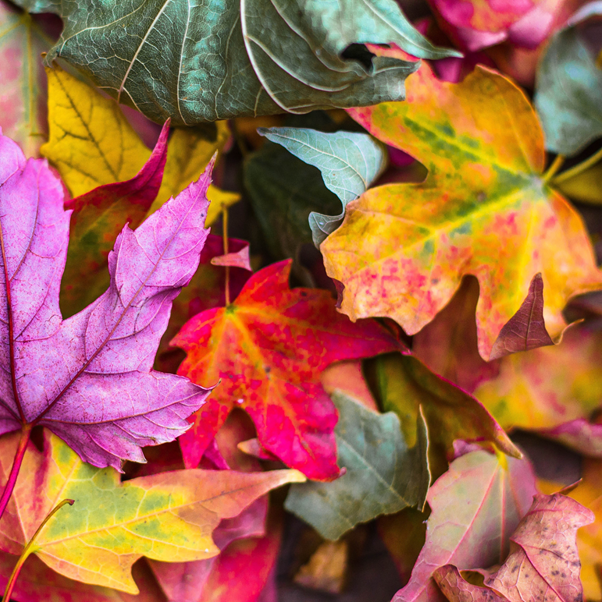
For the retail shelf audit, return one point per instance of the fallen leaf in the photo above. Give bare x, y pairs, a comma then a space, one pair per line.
568, 89
475, 506
23, 84
236, 259
550, 386
327, 568
404, 384
579, 435
197, 63
484, 186
348, 161
348, 377
268, 348
87, 129
66, 375
383, 473
169, 516
543, 563
96, 220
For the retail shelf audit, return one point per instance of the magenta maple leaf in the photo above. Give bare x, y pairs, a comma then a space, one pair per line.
89, 378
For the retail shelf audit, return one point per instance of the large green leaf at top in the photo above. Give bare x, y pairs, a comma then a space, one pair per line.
384, 474
348, 161
484, 209
569, 88
211, 60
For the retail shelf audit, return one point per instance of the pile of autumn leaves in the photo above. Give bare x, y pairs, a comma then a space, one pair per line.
364, 421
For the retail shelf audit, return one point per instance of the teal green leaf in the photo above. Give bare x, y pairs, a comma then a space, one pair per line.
569, 89
283, 190
384, 475
208, 60
348, 161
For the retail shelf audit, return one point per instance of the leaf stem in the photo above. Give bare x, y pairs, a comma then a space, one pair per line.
225, 235
16, 467
29, 549
581, 167
551, 172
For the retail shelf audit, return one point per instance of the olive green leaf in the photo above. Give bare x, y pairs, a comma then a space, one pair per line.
569, 88
384, 475
348, 161
210, 60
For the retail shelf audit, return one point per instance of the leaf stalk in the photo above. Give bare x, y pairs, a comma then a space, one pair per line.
29, 549
579, 168
225, 236
553, 169
16, 467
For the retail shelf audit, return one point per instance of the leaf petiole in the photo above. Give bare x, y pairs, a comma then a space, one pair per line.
553, 169
580, 167
29, 549
225, 235
16, 467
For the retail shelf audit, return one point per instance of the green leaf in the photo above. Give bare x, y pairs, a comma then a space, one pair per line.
384, 475
283, 191
211, 60
349, 163
569, 87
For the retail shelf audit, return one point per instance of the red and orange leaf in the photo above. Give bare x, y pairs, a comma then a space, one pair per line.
484, 210
268, 348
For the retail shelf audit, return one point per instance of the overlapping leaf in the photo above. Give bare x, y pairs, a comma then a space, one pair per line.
268, 348
383, 474
543, 563
213, 61
66, 375
475, 508
483, 210
167, 517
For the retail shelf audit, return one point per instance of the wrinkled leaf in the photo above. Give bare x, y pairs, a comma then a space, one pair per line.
167, 517
483, 210
349, 163
66, 375
476, 506
383, 473
543, 563
91, 143
210, 61
404, 384
23, 82
268, 348
569, 86
547, 387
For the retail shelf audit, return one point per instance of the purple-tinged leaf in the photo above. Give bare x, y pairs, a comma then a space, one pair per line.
239, 259
89, 379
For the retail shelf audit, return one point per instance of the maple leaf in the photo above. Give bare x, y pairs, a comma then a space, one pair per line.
168, 516
197, 63
543, 563
483, 210
66, 375
383, 473
476, 505
268, 348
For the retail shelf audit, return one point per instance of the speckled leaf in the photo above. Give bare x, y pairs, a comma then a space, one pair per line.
268, 348
96, 220
210, 60
91, 143
23, 83
383, 473
475, 507
404, 384
483, 210
543, 565
349, 163
67, 374
169, 516
547, 387
569, 86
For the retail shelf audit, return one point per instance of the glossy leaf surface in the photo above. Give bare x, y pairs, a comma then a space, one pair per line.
106, 351
419, 240
349, 163
383, 473
210, 61
268, 348
475, 506
167, 517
